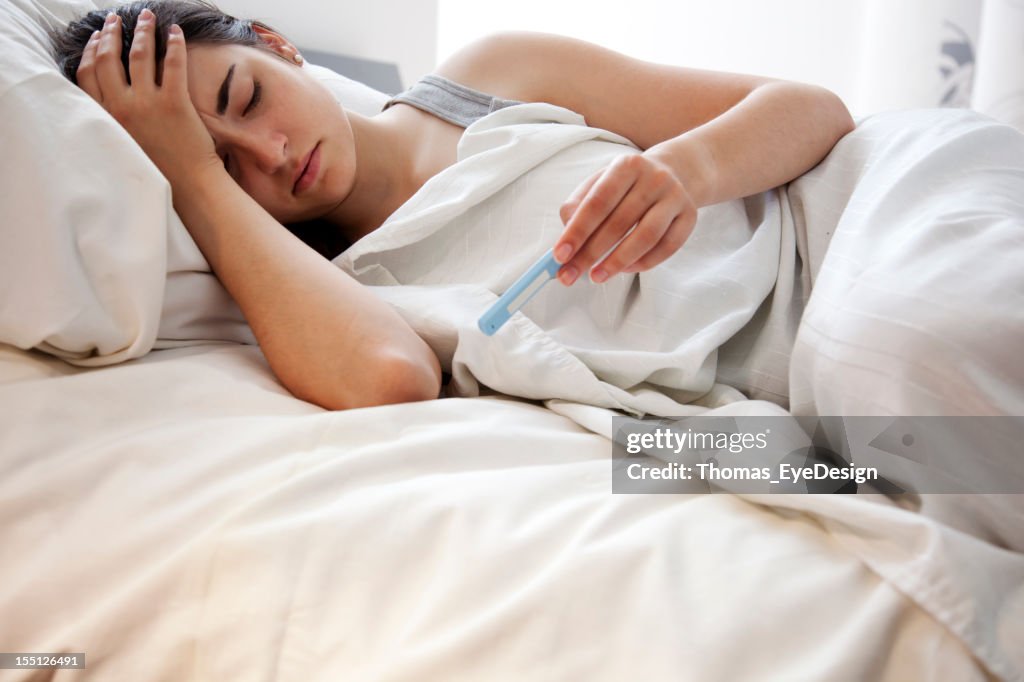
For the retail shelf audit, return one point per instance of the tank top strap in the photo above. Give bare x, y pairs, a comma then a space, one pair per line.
449, 100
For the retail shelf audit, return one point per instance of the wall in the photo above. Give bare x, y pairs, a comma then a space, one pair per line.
401, 31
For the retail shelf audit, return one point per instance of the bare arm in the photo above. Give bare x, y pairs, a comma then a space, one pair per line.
708, 137
327, 338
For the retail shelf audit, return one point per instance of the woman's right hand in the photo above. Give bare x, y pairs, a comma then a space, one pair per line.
160, 116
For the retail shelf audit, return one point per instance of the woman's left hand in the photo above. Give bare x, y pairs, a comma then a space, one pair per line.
638, 190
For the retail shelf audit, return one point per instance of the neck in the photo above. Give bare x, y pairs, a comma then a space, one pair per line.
385, 176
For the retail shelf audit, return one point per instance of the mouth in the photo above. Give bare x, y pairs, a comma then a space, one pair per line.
308, 171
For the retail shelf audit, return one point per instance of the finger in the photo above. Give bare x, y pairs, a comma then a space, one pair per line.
637, 244
109, 70
141, 57
598, 203
675, 236
564, 250
85, 75
175, 75
630, 212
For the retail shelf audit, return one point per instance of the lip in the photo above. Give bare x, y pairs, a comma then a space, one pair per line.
309, 170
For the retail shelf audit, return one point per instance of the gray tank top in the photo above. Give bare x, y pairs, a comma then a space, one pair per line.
450, 101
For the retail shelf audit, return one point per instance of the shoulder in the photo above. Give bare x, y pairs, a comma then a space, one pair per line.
518, 65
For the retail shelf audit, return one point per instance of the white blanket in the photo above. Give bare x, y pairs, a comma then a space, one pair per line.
181, 517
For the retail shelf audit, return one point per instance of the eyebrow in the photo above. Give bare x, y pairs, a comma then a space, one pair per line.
222, 94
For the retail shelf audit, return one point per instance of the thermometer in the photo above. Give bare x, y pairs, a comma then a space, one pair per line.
539, 274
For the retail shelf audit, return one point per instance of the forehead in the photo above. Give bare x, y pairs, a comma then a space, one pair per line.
208, 66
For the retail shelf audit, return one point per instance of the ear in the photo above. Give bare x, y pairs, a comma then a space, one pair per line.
278, 44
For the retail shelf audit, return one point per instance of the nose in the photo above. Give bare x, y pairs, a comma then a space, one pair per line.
264, 150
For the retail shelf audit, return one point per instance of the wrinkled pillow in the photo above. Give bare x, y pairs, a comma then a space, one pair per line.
95, 265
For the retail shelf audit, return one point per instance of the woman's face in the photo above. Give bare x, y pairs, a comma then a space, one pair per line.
282, 136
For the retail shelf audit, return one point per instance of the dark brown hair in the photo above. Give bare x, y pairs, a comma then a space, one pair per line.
200, 22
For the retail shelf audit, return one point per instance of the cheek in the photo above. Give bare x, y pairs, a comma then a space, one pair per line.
342, 171
344, 152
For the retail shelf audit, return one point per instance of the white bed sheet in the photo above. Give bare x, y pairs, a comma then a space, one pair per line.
181, 517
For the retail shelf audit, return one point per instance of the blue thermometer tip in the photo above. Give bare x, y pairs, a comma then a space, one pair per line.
539, 274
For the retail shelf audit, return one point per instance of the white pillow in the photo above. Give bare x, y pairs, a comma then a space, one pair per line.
95, 265
83, 212
351, 94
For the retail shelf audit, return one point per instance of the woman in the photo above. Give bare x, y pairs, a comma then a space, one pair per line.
249, 142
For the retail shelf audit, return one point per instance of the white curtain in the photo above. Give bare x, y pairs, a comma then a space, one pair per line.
944, 53
999, 77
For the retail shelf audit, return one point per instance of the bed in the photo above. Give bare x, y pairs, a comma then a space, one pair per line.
173, 513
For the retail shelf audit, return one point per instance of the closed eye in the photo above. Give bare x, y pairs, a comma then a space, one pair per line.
257, 94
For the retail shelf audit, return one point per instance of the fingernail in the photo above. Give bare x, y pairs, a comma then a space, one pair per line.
145, 15
111, 18
562, 253
175, 30
597, 276
568, 275
95, 34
